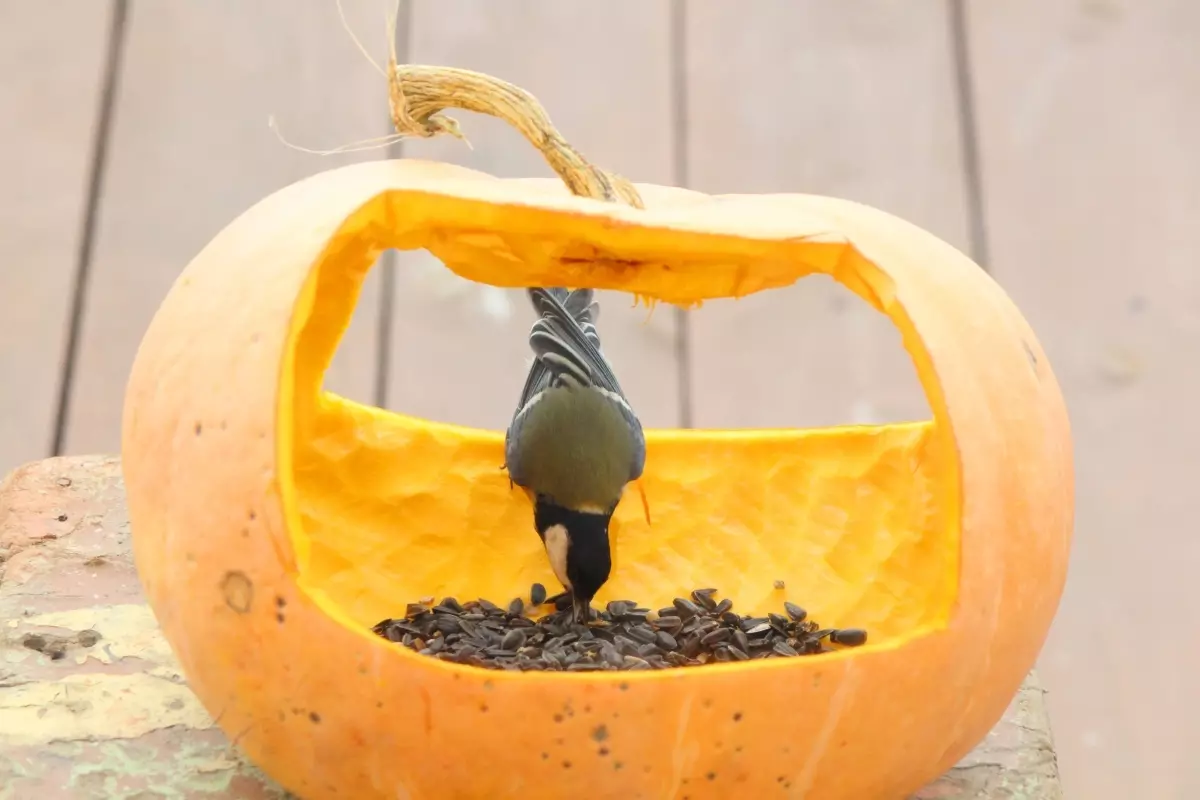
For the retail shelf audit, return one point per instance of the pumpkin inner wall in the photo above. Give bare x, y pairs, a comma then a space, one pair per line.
385, 508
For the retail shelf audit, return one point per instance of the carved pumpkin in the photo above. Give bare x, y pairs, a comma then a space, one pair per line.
275, 523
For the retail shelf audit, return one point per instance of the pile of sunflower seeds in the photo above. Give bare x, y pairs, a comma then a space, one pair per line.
623, 636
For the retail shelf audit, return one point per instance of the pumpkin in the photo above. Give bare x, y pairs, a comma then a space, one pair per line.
274, 523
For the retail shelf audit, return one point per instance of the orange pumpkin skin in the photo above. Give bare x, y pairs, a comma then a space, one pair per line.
255, 500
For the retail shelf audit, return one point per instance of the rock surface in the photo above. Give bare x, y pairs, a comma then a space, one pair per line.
92, 703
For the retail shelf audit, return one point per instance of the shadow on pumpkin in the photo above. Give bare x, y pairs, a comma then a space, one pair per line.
392, 508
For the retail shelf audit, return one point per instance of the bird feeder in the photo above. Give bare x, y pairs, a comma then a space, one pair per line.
275, 522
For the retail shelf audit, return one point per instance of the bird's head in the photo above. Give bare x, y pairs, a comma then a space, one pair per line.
577, 545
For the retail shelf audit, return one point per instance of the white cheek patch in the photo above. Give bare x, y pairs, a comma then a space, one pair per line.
557, 544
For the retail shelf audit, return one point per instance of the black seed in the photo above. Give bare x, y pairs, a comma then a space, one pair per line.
642, 633
686, 607
703, 598
851, 637
690, 633
537, 594
785, 649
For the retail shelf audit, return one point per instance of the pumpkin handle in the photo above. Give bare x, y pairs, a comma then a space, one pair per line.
417, 94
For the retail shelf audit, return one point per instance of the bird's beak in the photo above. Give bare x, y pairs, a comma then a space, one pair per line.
581, 608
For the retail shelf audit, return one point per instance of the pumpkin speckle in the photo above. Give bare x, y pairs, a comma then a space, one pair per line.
238, 591
545, 756
199, 429
624, 686
600, 733
314, 716
737, 716
253, 515
483, 707
566, 765
618, 765
558, 717
279, 617
602, 751
712, 776
61, 517
280, 602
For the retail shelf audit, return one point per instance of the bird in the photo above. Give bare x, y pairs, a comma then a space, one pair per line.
574, 442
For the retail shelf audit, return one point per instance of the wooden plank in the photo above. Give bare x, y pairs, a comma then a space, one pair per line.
1089, 119
459, 351
849, 99
192, 149
52, 55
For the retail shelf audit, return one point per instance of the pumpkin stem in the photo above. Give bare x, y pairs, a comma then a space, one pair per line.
417, 95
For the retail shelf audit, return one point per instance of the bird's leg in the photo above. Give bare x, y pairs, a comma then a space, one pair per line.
581, 609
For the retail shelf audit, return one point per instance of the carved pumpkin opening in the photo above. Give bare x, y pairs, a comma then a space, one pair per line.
860, 522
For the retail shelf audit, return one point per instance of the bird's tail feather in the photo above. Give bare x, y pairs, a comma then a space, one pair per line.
580, 303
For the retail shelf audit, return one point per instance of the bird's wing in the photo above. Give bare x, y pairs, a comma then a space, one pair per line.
565, 337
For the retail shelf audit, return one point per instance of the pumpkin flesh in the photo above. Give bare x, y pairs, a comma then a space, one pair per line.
339, 514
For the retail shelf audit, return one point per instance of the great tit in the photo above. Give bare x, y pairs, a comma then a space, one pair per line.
574, 442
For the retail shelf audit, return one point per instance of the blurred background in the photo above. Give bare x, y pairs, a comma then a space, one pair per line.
1057, 141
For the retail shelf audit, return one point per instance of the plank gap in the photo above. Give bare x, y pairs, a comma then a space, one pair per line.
677, 33
968, 127
387, 264
91, 212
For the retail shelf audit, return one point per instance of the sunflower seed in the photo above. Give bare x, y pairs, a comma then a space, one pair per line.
703, 598
780, 585
686, 607
616, 608
689, 633
643, 632
851, 637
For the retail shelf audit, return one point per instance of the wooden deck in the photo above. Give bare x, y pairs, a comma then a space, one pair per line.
1057, 141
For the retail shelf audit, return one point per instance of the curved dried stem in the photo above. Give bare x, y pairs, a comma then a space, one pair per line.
418, 95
